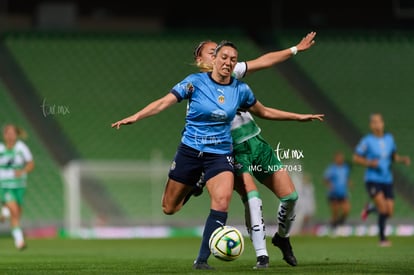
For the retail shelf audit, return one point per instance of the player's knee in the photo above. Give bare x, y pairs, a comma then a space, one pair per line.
220, 204
292, 197
168, 209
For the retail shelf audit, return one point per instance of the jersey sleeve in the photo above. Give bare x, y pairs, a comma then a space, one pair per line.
27, 154
327, 173
361, 147
184, 89
248, 98
394, 145
240, 70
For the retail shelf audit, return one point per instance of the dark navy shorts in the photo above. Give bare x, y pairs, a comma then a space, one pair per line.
374, 188
337, 198
188, 164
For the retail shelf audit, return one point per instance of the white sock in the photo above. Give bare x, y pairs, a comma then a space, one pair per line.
285, 217
257, 229
18, 236
5, 212
247, 219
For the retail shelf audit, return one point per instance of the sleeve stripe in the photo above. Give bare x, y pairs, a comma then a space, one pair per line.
177, 95
247, 106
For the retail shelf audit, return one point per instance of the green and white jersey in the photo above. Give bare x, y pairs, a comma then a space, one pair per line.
240, 70
243, 126
11, 160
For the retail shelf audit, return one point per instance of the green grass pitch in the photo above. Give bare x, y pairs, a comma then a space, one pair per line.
316, 255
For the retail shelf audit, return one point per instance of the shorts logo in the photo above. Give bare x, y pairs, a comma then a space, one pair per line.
230, 160
238, 166
173, 165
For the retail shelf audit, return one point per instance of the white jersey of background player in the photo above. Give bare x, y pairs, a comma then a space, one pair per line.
16, 161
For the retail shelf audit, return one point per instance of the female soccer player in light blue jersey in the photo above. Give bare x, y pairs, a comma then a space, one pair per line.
337, 180
250, 149
206, 143
377, 151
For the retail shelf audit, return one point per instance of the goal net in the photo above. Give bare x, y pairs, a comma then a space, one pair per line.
114, 196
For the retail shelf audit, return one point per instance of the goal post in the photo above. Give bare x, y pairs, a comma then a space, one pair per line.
113, 193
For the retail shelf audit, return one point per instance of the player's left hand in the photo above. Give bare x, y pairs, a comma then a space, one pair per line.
311, 117
306, 42
118, 124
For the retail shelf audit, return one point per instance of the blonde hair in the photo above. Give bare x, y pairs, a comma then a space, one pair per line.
202, 66
20, 132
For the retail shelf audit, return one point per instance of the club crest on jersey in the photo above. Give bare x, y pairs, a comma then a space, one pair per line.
221, 99
189, 88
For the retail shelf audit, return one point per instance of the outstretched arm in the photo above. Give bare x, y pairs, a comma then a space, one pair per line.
151, 109
262, 111
269, 59
402, 159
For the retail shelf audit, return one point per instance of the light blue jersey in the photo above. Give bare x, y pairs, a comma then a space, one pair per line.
338, 176
382, 149
210, 111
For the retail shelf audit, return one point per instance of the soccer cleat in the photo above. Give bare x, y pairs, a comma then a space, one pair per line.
21, 246
364, 213
385, 243
262, 262
197, 190
202, 266
187, 197
286, 248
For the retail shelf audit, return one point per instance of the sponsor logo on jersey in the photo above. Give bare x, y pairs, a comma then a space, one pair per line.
218, 115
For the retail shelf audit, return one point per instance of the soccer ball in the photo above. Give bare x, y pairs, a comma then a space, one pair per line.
226, 243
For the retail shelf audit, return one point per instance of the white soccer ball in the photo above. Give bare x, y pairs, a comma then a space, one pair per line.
226, 243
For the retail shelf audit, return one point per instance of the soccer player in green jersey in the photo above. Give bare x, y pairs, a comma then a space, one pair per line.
16, 162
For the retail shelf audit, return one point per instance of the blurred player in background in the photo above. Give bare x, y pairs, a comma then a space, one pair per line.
206, 144
252, 151
305, 207
337, 181
16, 162
377, 151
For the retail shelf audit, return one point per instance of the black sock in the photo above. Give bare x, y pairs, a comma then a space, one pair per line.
382, 218
214, 220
